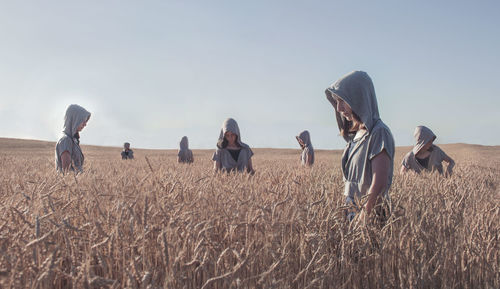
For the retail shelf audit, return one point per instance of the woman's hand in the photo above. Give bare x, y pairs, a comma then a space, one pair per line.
217, 166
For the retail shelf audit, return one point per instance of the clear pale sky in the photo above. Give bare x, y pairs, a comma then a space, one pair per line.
151, 72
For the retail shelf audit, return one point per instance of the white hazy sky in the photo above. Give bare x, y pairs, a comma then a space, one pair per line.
153, 71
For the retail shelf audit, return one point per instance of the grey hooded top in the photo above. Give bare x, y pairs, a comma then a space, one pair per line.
70, 139
356, 89
185, 154
223, 156
308, 148
127, 153
422, 136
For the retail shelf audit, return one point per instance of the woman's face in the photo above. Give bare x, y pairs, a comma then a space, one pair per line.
343, 108
231, 137
81, 126
301, 143
427, 146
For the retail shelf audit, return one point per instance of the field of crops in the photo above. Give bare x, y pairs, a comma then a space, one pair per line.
153, 223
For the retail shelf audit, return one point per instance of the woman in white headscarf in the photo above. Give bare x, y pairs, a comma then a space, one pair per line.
307, 156
232, 154
185, 155
68, 154
127, 153
368, 159
425, 156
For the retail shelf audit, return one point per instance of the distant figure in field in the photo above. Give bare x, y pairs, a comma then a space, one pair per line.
307, 156
127, 153
232, 154
185, 155
368, 159
69, 155
425, 156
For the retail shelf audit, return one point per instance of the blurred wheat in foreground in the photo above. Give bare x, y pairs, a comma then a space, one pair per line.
128, 224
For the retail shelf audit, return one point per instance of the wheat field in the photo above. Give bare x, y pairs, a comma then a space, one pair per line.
153, 223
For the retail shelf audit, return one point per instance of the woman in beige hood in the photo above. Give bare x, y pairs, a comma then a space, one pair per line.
69, 155
368, 159
425, 156
185, 155
307, 156
127, 153
232, 154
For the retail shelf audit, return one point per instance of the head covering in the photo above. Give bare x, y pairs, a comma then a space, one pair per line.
75, 116
306, 138
184, 144
422, 136
356, 89
232, 126
126, 145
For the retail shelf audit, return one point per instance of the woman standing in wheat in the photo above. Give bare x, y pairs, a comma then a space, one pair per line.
307, 156
185, 155
232, 154
69, 155
368, 159
425, 156
127, 153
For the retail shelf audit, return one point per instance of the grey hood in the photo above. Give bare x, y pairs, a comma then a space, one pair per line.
75, 115
184, 144
356, 89
306, 138
422, 136
232, 126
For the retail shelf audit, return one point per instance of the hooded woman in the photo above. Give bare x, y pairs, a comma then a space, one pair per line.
69, 155
368, 159
127, 153
232, 154
307, 156
425, 156
185, 155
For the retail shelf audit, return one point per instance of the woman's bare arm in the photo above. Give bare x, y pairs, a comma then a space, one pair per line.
403, 170
250, 167
65, 160
217, 166
451, 164
308, 159
380, 174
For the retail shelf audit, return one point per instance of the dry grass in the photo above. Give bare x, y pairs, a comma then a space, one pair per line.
125, 224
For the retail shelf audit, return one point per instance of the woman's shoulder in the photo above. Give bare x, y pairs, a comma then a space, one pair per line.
63, 137
380, 128
381, 132
64, 140
245, 146
437, 150
408, 155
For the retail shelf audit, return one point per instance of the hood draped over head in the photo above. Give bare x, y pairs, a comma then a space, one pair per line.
184, 144
306, 138
232, 126
75, 115
422, 135
356, 89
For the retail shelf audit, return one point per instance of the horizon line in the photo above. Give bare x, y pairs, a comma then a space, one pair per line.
256, 147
